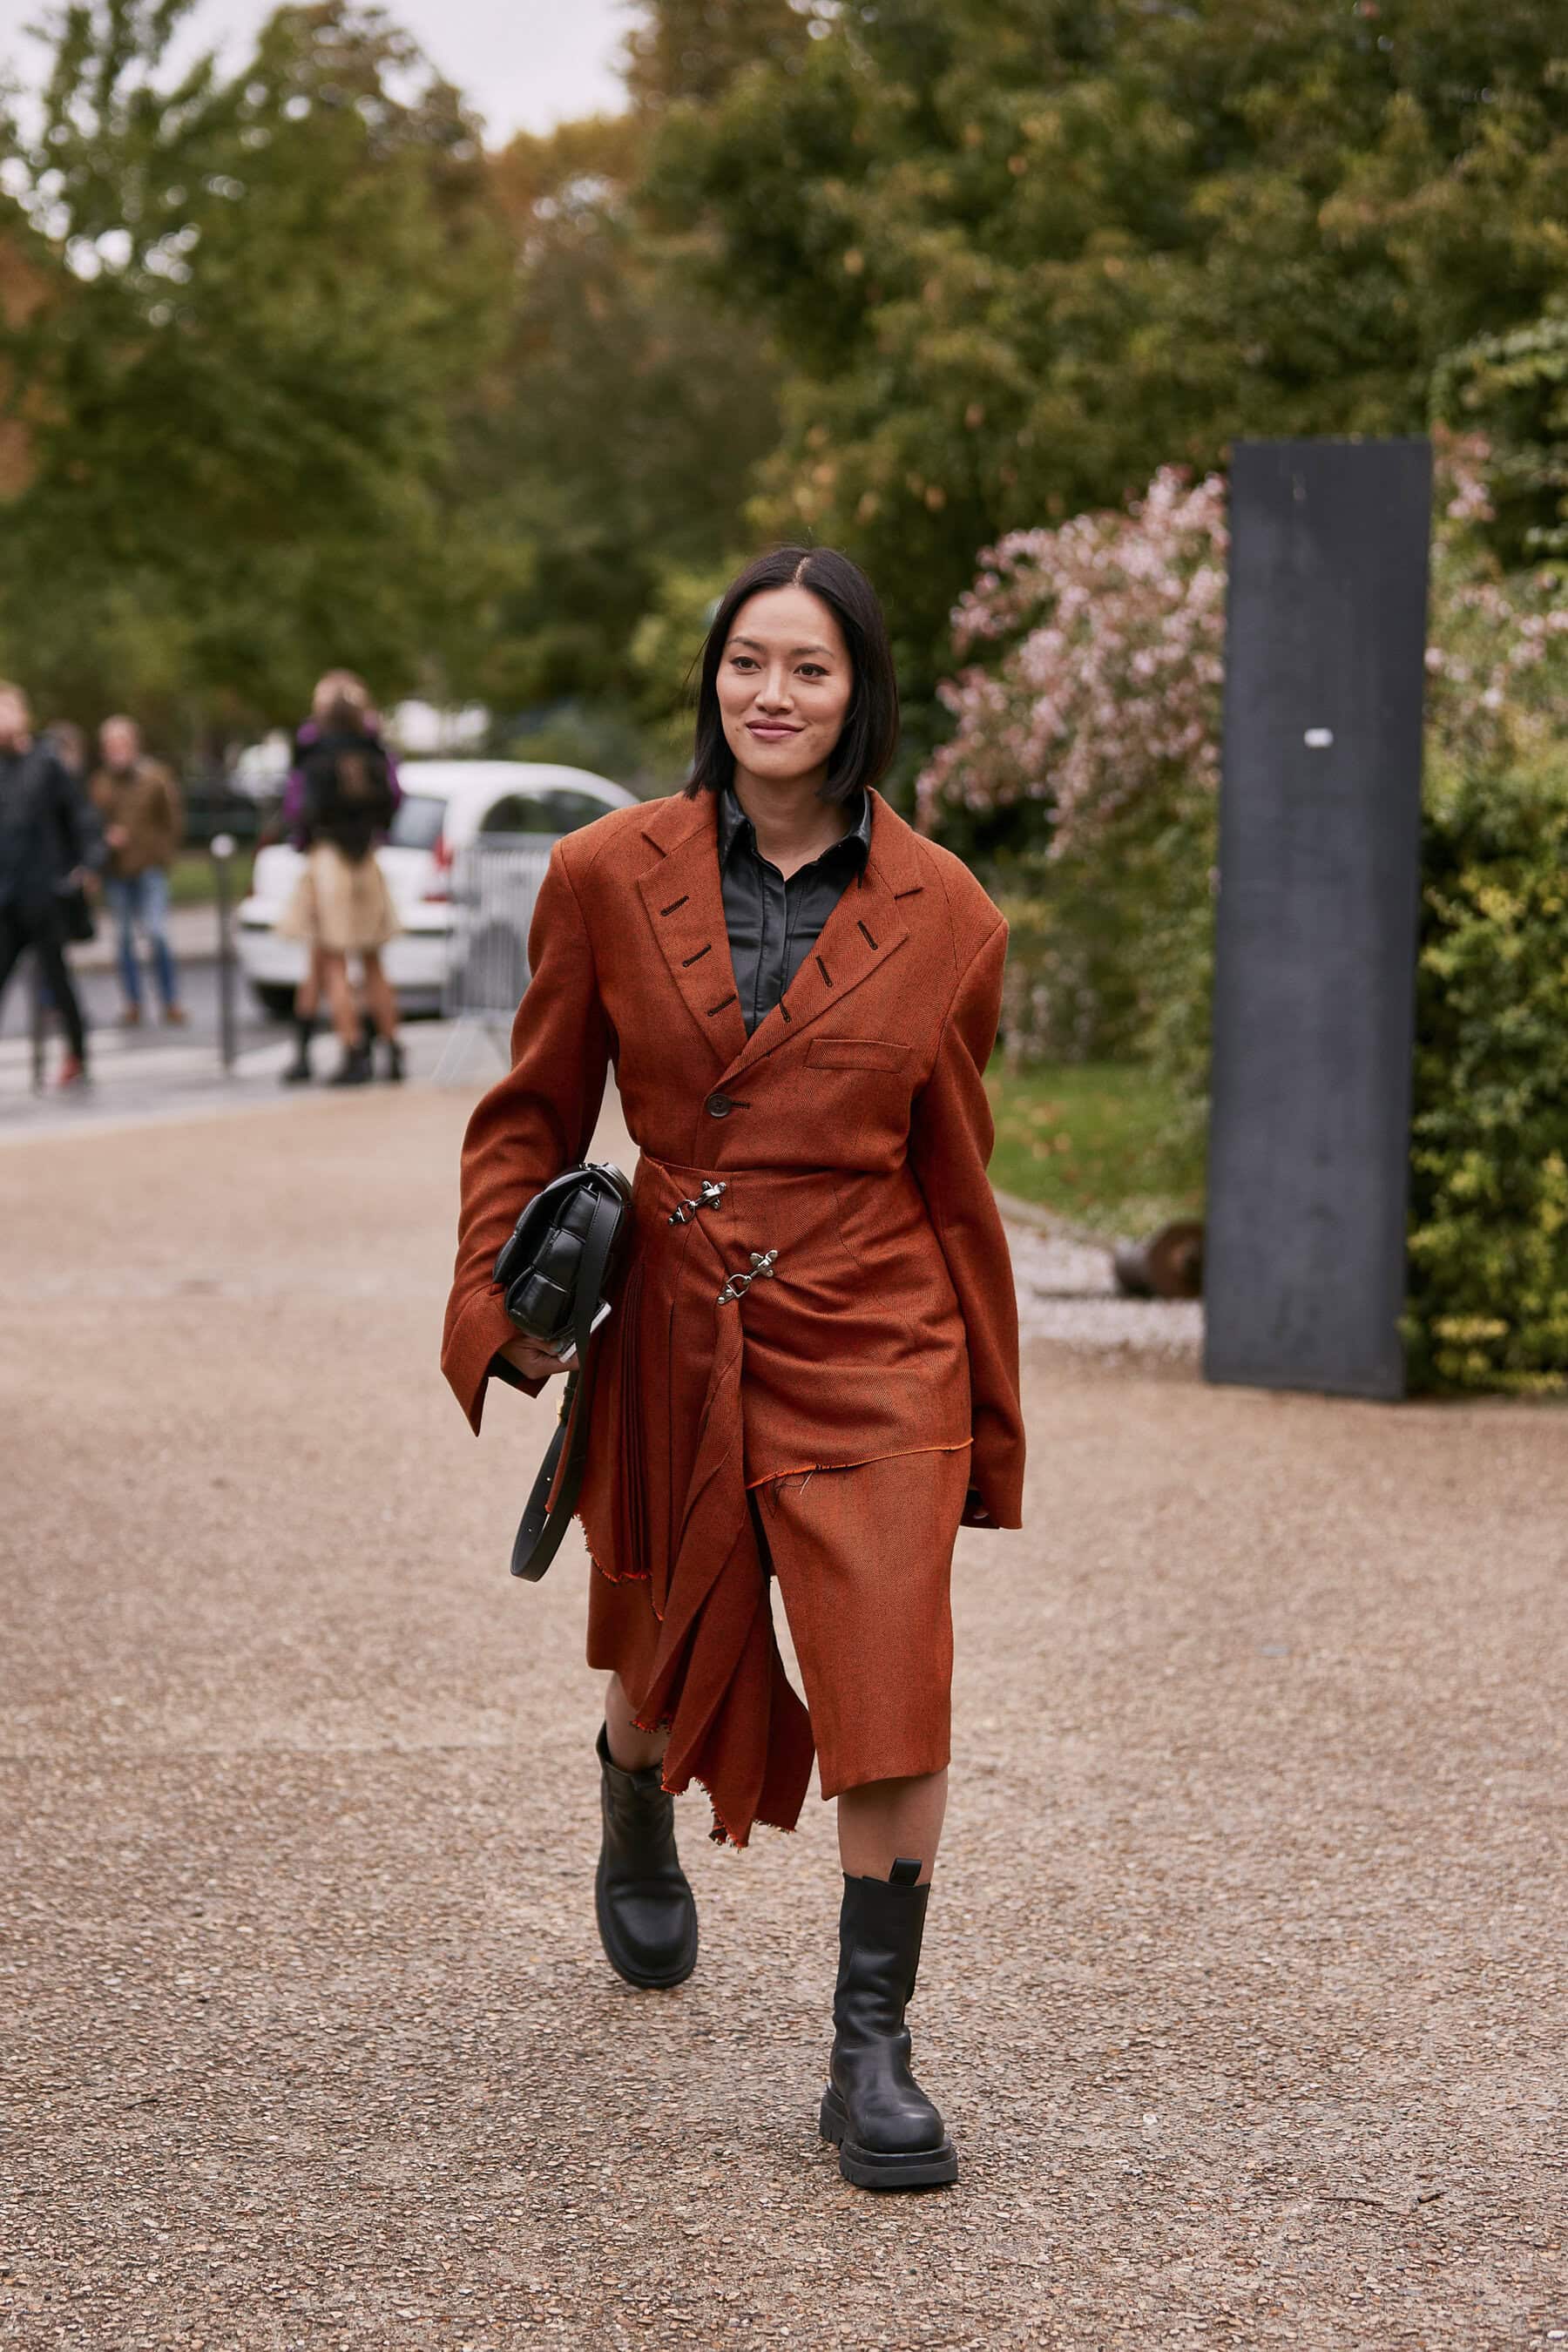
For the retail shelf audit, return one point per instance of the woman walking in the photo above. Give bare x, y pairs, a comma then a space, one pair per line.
812, 1373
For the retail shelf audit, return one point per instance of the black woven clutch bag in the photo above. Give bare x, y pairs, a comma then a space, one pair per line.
557, 1271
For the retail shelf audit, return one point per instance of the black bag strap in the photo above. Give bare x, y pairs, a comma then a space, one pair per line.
543, 1522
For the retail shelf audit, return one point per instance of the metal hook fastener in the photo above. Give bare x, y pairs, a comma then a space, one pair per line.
738, 1284
710, 1193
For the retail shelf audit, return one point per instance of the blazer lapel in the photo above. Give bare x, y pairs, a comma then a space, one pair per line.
864, 929
686, 913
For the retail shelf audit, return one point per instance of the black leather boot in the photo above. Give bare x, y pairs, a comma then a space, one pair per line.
298, 1073
646, 1911
354, 1069
887, 2131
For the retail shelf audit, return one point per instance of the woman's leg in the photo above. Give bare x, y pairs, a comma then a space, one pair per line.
378, 996
57, 974
862, 1557
341, 999
644, 1903
890, 1820
308, 995
633, 1750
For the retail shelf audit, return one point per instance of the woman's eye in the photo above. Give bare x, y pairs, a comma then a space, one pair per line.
812, 670
742, 661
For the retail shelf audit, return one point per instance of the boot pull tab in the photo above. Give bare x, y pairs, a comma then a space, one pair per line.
904, 1873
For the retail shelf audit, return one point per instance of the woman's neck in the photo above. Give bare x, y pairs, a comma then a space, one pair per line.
791, 823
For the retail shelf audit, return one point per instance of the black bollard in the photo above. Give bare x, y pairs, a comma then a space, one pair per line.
222, 851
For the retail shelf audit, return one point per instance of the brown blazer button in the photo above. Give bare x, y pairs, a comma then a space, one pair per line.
719, 1106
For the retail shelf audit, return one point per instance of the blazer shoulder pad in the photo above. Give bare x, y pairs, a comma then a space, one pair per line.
618, 831
971, 913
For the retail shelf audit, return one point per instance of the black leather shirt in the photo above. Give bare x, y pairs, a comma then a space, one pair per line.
774, 924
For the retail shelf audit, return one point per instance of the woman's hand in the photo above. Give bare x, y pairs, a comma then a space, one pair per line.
534, 1362
976, 1513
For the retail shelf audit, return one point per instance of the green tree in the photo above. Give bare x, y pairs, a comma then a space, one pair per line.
624, 423
263, 300
1016, 254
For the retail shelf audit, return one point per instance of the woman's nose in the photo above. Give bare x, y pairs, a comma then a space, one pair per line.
774, 691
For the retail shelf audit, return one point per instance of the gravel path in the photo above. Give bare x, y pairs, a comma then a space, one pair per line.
1244, 1992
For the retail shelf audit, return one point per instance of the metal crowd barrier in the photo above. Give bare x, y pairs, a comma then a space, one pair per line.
494, 886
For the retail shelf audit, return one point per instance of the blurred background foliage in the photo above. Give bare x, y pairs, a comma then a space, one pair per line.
289, 362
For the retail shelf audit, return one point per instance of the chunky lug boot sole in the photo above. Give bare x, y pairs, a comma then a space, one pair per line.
627, 1970
870, 2167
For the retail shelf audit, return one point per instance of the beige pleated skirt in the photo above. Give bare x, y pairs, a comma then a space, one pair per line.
340, 906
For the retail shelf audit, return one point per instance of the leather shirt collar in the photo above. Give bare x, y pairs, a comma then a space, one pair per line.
735, 825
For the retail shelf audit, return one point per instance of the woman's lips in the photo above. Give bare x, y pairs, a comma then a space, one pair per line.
769, 733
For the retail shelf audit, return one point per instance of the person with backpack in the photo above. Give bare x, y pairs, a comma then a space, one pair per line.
342, 796
49, 846
345, 800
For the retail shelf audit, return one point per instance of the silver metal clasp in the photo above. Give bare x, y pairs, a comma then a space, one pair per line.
710, 1193
739, 1283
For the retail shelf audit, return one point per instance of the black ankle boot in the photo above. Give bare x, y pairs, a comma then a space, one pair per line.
648, 1914
395, 1070
887, 2133
298, 1073
354, 1069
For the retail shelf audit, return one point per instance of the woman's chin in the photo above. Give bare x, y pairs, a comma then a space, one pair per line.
774, 763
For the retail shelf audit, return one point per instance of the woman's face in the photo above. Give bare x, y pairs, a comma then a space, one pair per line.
784, 683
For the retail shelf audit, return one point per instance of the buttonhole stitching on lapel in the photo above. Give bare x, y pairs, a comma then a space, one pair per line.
673, 904
690, 959
912, 892
864, 934
784, 1008
730, 998
821, 968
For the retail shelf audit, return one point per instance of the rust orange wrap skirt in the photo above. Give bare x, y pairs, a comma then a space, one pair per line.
684, 1538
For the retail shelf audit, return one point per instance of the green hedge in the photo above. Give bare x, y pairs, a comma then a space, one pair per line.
1488, 1302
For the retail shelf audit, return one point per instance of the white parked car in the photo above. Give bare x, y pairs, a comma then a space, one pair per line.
446, 803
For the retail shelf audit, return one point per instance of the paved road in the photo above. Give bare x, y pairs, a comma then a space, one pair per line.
1244, 1986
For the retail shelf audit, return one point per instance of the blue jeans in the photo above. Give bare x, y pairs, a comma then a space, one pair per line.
141, 902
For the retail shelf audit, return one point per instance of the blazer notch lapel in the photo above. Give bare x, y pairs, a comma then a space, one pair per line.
680, 891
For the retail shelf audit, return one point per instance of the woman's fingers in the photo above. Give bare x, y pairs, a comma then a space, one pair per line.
535, 1363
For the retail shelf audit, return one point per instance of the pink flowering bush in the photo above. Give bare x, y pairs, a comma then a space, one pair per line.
1108, 688
1110, 636
1091, 703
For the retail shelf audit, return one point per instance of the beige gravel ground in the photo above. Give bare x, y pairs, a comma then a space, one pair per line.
1245, 1986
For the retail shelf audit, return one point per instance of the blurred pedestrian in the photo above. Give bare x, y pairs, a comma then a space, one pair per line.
49, 846
145, 824
333, 688
341, 906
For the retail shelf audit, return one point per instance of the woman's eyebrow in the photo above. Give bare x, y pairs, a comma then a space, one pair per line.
758, 647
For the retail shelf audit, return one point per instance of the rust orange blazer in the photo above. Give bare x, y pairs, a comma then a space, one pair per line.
851, 1133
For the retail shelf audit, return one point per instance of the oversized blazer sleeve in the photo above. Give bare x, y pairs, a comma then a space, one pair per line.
537, 1120
951, 1135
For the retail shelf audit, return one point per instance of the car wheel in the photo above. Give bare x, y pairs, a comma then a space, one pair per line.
276, 1000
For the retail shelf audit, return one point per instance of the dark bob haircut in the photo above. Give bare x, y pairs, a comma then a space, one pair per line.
870, 735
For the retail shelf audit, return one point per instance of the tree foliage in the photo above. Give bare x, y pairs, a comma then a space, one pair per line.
1018, 254
623, 423
262, 297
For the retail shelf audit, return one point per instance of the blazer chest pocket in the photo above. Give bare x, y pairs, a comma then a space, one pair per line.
856, 1054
